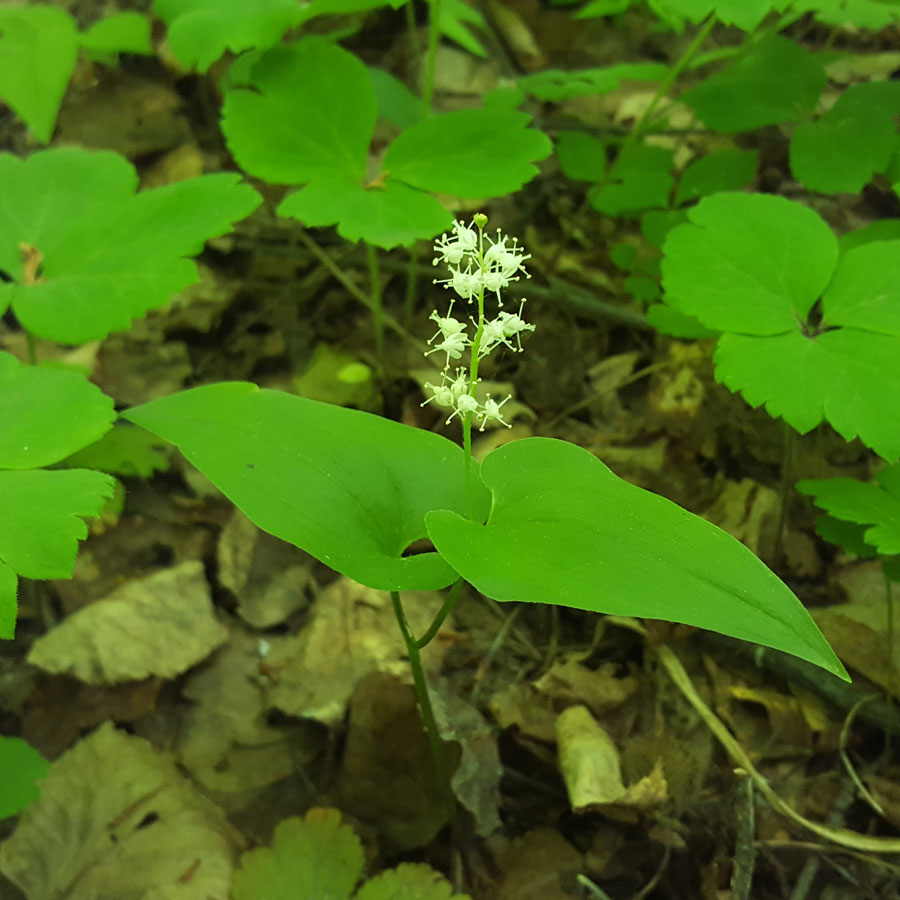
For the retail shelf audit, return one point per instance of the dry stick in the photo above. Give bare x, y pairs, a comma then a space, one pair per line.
842, 836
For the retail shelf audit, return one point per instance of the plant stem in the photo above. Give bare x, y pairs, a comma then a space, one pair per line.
377, 312
32, 348
444, 611
680, 65
421, 688
434, 30
473, 381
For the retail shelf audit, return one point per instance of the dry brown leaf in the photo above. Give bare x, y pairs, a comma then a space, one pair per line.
589, 760
522, 706
540, 865
599, 689
116, 820
159, 625
226, 742
352, 632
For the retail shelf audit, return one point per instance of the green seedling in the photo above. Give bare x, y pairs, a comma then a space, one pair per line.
318, 856
810, 334
540, 520
39, 46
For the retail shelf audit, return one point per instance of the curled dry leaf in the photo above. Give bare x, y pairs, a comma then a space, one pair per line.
160, 625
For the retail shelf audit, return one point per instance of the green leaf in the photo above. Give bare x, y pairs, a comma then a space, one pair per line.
722, 170
846, 534
468, 152
880, 230
397, 104
851, 142
200, 31
455, 22
873, 505
564, 529
667, 320
124, 32
385, 216
657, 223
308, 114
41, 526
409, 881
597, 8
348, 487
871, 14
777, 81
316, 858
749, 263
581, 157
554, 85
123, 450
47, 414
747, 14
865, 290
21, 767
86, 287
642, 181
38, 48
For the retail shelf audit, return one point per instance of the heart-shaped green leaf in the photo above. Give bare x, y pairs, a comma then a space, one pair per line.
564, 529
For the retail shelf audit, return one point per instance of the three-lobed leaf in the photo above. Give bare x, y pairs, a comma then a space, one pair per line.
564, 529
73, 239
752, 267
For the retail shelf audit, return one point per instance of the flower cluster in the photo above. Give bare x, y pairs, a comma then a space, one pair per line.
475, 270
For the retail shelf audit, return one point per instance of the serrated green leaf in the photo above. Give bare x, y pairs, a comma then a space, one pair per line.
847, 377
316, 858
22, 767
47, 414
643, 180
657, 223
871, 14
555, 85
200, 31
38, 48
409, 881
124, 32
722, 170
845, 534
748, 263
468, 152
308, 115
385, 216
84, 288
850, 143
348, 487
41, 526
865, 290
581, 157
874, 505
564, 529
777, 81
667, 320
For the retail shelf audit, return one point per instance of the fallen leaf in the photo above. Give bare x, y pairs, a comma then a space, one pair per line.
116, 820
159, 625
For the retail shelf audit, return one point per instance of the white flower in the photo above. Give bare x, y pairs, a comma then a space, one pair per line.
452, 252
465, 283
464, 404
453, 345
448, 392
513, 325
491, 410
447, 325
507, 260
492, 335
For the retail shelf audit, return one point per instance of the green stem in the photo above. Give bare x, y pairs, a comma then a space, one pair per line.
421, 688
434, 30
377, 312
473, 381
32, 348
444, 611
412, 277
681, 64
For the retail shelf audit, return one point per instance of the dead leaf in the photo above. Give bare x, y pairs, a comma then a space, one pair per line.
226, 742
159, 625
588, 758
352, 632
600, 689
540, 865
115, 819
